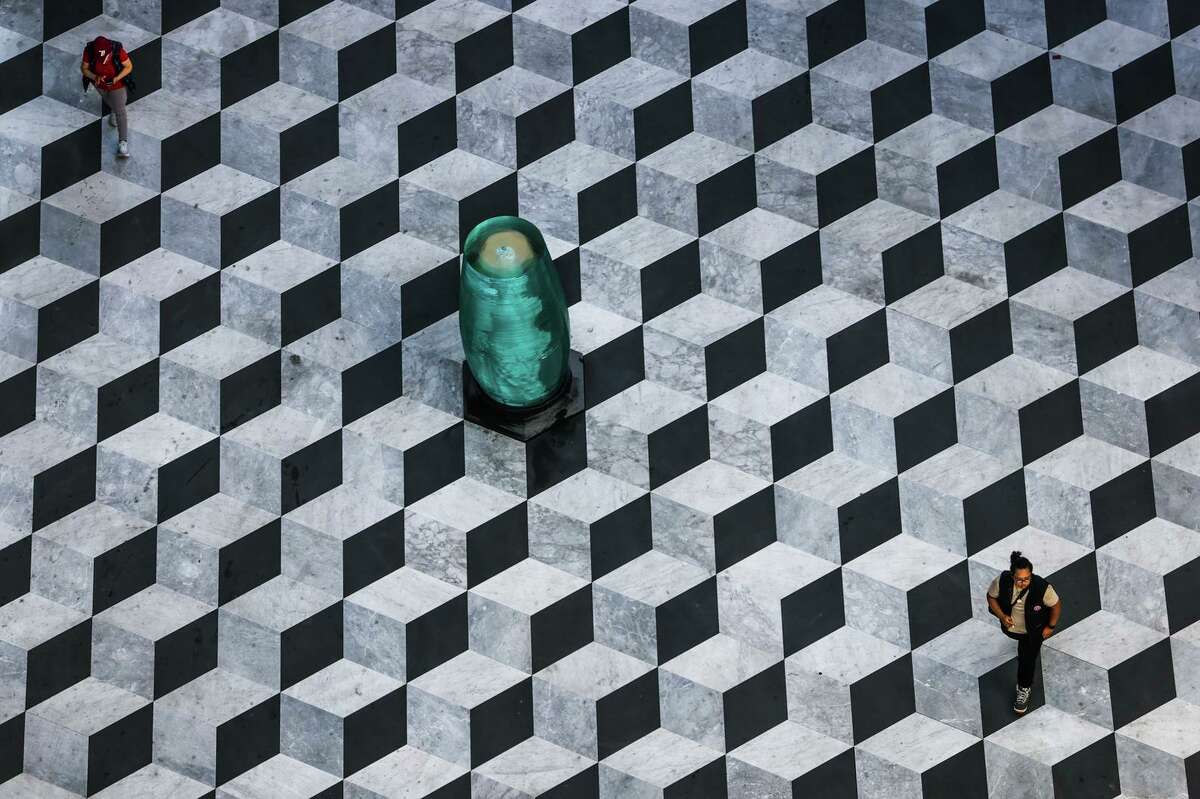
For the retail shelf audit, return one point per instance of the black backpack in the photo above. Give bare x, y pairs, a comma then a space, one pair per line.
90, 52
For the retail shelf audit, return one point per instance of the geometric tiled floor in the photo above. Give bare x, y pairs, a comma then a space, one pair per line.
867, 295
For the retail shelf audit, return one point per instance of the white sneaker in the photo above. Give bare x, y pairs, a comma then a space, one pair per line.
1022, 703
112, 120
123, 149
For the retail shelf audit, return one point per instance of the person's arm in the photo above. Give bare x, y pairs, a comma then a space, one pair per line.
126, 68
998, 612
1055, 612
86, 70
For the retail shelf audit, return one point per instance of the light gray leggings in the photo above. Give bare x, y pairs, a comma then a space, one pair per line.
115, 99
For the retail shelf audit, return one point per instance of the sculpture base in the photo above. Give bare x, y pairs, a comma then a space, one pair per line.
524, 423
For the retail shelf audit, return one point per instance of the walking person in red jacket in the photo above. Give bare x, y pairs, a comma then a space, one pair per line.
107, 66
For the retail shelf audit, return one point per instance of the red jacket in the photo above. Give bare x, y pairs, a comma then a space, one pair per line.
105, 66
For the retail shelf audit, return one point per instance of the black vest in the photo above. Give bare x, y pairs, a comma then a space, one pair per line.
1035, 620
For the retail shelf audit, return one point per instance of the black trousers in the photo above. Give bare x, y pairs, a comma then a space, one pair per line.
1028, 647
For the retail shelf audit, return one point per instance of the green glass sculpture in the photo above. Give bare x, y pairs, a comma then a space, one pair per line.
513, 315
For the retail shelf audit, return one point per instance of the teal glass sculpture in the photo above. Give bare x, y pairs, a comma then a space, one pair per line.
512, 314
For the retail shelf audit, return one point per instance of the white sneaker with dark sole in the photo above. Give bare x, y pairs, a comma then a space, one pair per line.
1022, 703
123, 149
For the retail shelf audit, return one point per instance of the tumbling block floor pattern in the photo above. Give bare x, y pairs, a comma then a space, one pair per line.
865, 294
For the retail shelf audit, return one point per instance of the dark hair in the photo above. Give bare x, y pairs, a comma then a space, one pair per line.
1018, 561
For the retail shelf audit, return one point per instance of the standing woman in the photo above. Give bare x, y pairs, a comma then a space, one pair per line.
106, 65
1028, 609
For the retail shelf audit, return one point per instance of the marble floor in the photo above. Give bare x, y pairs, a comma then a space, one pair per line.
864, 294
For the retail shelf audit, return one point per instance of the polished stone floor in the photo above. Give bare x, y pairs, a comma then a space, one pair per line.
864, 294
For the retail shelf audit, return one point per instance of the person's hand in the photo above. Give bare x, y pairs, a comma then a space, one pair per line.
1046, 633
1006, 621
